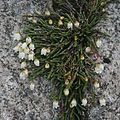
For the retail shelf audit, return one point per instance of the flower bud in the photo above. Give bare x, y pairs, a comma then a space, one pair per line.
84, 102
21, 55
28, 40
23, 64
102, 102
70, 25
60, 23
96, 84
17, 36
82, 57
62, 17
66, 92
88, 49
98, 43
47, 12
43, 51
47, 65
55, 104
73, 103
31, 46
66, 82
36, 62
31, 56
99, 68
32, 86
76, 24
50, 22
24, 45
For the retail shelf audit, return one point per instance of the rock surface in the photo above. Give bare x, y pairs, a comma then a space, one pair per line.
110, 78
18, 102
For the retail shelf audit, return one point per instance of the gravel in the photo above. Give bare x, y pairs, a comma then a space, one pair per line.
18, 102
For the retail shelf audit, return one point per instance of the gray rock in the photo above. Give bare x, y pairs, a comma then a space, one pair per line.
110, 78
17, 101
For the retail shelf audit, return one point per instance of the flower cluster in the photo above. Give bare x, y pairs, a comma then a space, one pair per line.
26, 53
99, 67
62, 47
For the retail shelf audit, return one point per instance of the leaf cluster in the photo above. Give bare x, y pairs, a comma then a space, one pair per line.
68, 59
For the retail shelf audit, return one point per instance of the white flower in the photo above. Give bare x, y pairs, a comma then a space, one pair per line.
21, 55
70, 25
28, 40
55, 104
84, 102
19, 44
99, 68
66, 82
62, 17
20, 50
82, 57
17, 36
16, 48
47, 12
66, 92
102, 102
31, 56
36, 62
31, 46
43, 51
88, 49
47, 65
32, 86
34, 21
103, 3
86, 79
96, 84
23, 64
24, 74
30, 16
50, 22
76, 24
60, 23
98, 43
26, 50
103, 10
73, 103
24, 45
48, 50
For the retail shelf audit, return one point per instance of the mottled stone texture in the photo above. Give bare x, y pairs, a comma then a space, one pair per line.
110, 78
18, 102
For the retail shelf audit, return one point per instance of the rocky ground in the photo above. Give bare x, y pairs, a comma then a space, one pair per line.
18, 102
110, 78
